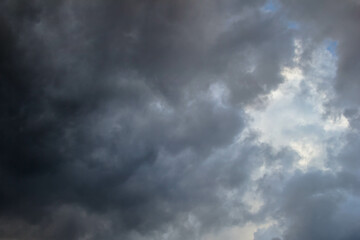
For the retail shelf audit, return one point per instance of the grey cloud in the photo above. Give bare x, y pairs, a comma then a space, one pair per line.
108, 127
329, 19
319, 208
110, 130
317, 204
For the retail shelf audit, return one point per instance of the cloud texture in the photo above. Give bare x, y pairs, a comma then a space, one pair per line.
132, 120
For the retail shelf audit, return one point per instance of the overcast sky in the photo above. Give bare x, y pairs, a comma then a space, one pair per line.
180, 119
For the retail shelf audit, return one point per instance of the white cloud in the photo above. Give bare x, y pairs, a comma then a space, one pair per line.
295, 116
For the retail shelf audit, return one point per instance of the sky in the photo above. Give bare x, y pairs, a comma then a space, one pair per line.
179, 119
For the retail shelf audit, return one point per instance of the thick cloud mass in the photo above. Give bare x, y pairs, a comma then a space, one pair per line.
114, 114
127, 120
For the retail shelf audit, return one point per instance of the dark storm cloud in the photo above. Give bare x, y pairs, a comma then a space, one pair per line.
311, 205
113, 122
319, 205
108, 126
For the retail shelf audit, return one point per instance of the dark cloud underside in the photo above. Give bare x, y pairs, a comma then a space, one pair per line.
121, 119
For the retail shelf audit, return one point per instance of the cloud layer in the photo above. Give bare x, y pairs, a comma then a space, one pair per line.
140, 120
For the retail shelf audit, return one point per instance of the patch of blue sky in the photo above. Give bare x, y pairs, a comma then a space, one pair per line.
331, 46
293, 25
271, 6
